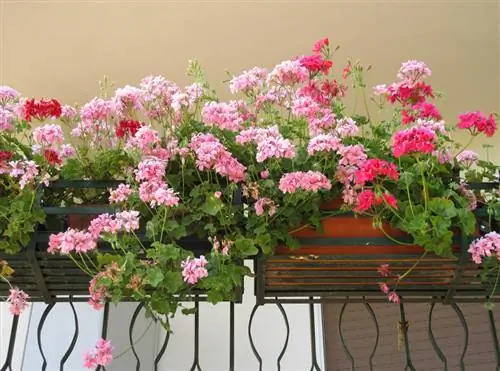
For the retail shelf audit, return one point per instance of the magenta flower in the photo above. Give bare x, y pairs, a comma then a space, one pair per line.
414, 140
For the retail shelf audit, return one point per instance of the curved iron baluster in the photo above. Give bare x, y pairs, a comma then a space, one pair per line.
130, 338
312, 324
403, 326
494, 337
39, 333
73, 341
432, 338
196, 360
342, 339
231, 336
162, 350
377, 330
12, 342
463, 321
104, 330
287, 326
250, 337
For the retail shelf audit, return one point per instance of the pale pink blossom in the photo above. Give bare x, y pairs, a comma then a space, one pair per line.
68, 113
228, 116
288, 73
307, 181
25, 170
413, 71
150, 170
6, 120
194, 269
127, 98
144, 139
393, 297
17, 300
101, 355
120, 194
48, 135
323, 143
67, 151
73, 240
467, 158
8, 94
96, 110
265, 203
486, 246
346, 127
248, 81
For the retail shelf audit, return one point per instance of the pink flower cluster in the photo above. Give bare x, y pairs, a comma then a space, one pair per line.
262, 203
467, 158
158, 193
477, 123
413, 140
346, 127
120, 194
6, 120
17, 300
212, 155
323, 143
270, 143
351, 158
373, 168
486, 246
392, 296
194, 269
248, 81
144, 139
288, 73
73, 240
228, 116
97, 293
307, 181
101, 355
150, 170
222, 246
7, 94
413, 70
26, 171
95, 111
48, 135
127, 98
124, 221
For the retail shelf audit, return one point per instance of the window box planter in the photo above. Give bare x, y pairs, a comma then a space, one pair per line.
55, 277
343, 261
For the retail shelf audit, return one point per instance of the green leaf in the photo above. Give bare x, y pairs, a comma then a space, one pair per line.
173, 281
107, 259
212, 205
443, 207
467, 221
188, 310
246, 247
154, 276
214, 296
264, 242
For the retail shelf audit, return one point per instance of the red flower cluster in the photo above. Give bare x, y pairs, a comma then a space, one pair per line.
373, 168
414, 140
5, 156
422, 110
42, 109
316, 63
409, 94
477, 123
52, 156
129, 127
367, 199
320, 45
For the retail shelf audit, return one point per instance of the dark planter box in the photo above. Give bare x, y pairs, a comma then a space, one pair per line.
55, 277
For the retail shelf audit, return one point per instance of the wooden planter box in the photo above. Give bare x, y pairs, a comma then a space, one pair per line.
55, 277
343, 262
